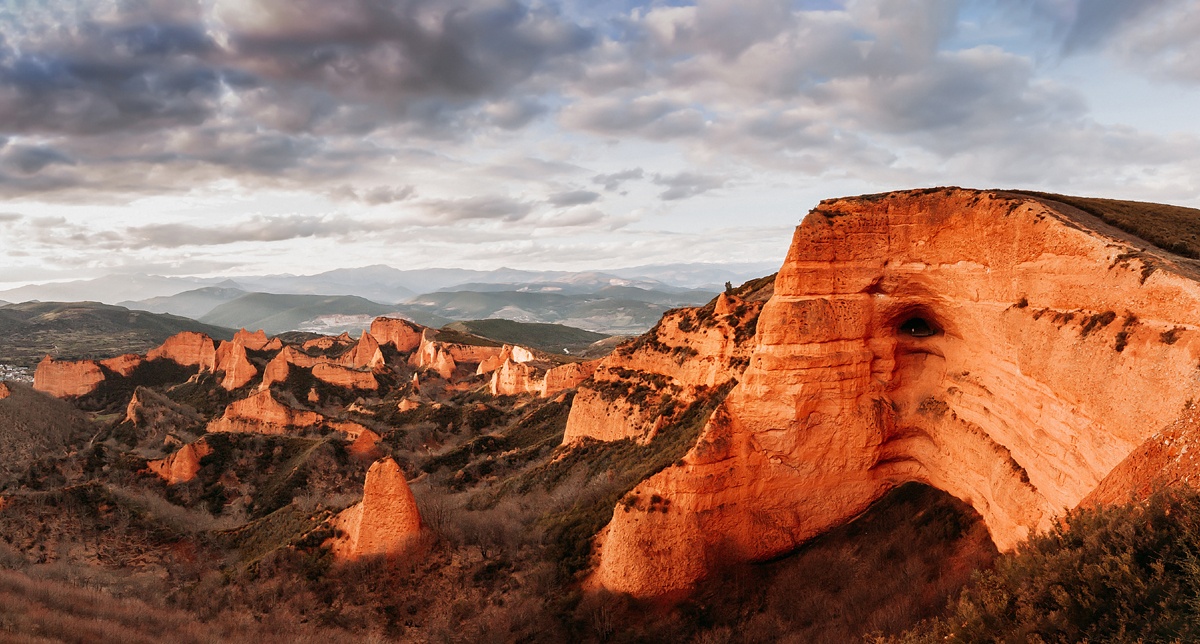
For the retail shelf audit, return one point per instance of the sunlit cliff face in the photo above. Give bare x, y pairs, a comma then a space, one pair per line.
1005, 350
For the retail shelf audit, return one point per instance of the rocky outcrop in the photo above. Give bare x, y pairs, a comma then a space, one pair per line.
64, 379
158, 415
189, 349
434, 356
444, 357
328, 342
256, 341
514, 378
123, 365
231, 359
1167, 458
567, 376
183, 465
339, 376
279, 366
690, 351
401, 334
509, 353
365, 354
385, 523
1008, 350
262, 414
365, 445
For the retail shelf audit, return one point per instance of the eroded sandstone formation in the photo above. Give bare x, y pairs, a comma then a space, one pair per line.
365, 354
639, 386
514, 377
183, 465
509, 353
64, 379
256, 341
385, 523
152, 411
262, 414
337, 375
1008, 350
189, 349
124, 364
401, 334
444, 357
231, 359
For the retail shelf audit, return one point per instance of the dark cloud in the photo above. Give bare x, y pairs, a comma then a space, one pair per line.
9, 217
256, 229
376, 196
573, 198
32, 159
412, 55
106, 77
612, 182
496, 208
687, 184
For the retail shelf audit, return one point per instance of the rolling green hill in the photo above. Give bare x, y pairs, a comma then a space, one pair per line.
193, 304
616, 312
277, 313
551, 338
74, 330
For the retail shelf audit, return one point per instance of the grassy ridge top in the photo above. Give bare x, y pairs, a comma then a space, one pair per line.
551, 338
1175, 229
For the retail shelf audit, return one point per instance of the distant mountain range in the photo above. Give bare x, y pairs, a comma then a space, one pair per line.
276, 313
391, 285
623, 301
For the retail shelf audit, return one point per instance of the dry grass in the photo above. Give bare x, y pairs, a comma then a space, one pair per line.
1175, 229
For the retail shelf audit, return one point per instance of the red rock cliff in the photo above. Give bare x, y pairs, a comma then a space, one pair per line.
1007, 350
189, 349
401, 334
262, 414
385, 522
65, 379
690, 348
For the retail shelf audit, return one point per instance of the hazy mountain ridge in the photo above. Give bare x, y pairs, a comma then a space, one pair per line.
386, 284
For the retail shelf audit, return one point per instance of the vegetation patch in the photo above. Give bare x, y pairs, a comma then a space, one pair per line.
1172, 228
1123, 573
626, 464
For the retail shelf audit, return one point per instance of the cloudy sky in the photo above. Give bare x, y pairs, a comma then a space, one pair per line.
264, 136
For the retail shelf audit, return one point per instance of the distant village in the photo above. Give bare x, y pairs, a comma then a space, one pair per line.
15, 374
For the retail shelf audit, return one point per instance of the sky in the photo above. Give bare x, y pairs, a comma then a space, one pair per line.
236, 137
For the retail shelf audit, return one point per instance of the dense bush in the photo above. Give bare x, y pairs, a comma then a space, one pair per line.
1115, 574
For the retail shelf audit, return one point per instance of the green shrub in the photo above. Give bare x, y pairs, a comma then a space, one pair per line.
1114, 574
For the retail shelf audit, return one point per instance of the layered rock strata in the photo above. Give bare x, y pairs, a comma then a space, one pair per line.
231, 359
262, 414
189, 349
365, 354
123, 365
63, 379
660, 373
337, 375
181, 466
513, 378
385, 523
403, 335
1008, 350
